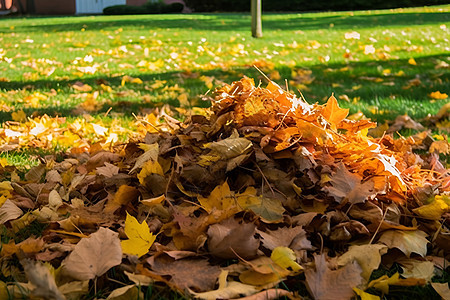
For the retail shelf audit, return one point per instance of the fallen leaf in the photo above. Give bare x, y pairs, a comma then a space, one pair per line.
364, 295
230, 238
406, 241
333, 113
140, 239
285, 258
367, 256
9, 211
442, 289
187, 273
125, 293
324, 283
94, 256
43, 282
294, 238
227, 289
349, 186
417, 269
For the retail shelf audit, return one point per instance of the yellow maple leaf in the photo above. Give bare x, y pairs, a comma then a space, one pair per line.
221, 198
140, 239
333, 113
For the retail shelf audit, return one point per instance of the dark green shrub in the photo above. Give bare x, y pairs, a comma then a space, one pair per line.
175, 7
124, 10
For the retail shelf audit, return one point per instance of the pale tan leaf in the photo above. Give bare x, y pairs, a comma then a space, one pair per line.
94, 256
406, 241
417, 269
442, 289
75, 289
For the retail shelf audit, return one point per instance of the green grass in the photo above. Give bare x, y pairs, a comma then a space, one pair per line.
44, 55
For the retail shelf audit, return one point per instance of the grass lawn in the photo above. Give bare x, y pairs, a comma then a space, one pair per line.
69, 82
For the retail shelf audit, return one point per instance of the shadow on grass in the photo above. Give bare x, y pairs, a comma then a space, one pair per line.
240, 22
404, 89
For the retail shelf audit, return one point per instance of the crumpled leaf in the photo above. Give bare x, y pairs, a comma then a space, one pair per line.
43, 282
94, 256
140, 239
230, 238
406, 241
348, 186
367, 256
324, 283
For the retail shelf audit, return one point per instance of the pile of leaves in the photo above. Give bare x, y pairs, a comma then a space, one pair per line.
260, 196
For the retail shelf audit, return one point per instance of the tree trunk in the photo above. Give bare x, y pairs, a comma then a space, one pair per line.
256, 18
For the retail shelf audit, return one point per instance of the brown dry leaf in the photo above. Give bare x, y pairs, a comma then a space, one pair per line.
294, 238
9, 211
349, 186
94, 256
108, 170
406, 241
325, 284
230, 238
188, 273
404, 121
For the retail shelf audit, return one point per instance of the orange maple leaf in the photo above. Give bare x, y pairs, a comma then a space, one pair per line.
333, 113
